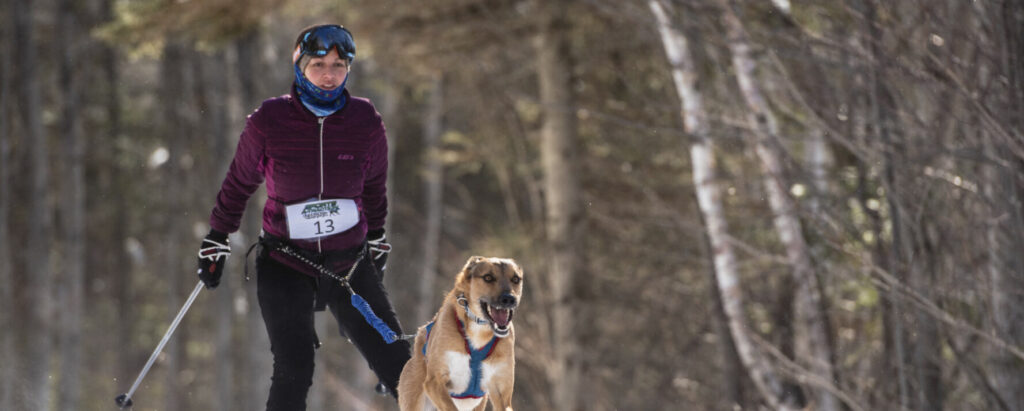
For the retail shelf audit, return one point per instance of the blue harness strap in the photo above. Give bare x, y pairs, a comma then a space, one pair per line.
426, 340
476, 359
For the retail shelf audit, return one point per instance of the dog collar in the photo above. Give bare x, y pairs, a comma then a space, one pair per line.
461, 299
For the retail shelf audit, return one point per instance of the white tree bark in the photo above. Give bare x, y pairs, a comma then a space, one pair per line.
812, 344
564, 219
818, 159
709, 199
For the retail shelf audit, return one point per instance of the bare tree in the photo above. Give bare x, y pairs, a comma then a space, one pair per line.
7, 305
35, 342
813, 348
1006, 233
433, 187
71, 294
563, 199
709, 198
257, 362
176, 83
879, 119
211, 101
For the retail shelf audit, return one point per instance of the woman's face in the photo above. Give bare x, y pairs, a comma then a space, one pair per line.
327, 72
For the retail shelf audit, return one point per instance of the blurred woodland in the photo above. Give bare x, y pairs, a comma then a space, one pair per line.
718, 204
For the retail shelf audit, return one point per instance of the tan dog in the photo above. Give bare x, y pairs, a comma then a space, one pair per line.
469, 354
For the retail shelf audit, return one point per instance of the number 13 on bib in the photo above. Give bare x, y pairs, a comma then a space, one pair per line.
321, 218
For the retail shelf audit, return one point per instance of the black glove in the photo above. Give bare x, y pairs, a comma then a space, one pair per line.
213, 253
379, 248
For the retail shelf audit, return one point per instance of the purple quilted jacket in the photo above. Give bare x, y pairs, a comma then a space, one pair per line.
297, 153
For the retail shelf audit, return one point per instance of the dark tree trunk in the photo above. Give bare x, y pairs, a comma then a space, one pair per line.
880, 129
71, 289
7, 305
433, 187
175, 83
36, 305
256, 363
211, 97
1006, 184
563, 200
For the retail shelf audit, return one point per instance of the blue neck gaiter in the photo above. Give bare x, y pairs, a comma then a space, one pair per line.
319, 101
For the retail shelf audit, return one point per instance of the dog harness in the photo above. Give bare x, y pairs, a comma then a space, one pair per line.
476, 359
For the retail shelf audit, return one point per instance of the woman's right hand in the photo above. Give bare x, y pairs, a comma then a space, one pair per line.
213, 253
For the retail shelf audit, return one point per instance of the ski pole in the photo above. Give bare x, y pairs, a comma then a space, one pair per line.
125, 400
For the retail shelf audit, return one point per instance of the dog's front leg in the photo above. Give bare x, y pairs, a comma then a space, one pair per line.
501, 395
436, 387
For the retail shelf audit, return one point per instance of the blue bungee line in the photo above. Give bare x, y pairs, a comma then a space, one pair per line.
357, 301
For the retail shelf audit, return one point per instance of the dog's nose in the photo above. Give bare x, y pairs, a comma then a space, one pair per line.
507, 300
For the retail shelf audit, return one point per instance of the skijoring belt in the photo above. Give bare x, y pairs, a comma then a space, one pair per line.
315, 261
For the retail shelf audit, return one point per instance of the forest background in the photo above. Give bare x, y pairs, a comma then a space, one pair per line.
718, 204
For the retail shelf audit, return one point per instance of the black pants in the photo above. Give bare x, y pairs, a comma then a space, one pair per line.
287, 300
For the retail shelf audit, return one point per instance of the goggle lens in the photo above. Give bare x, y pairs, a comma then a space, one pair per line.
320, 41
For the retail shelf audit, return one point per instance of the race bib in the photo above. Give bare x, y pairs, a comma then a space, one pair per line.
321, 218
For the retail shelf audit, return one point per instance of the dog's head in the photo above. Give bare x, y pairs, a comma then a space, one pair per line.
492, 287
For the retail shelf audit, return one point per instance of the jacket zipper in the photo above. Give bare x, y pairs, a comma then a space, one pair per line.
320, 196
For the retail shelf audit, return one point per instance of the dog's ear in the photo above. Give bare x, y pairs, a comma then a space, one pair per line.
471, 264
467, 271
474, 260
515, 266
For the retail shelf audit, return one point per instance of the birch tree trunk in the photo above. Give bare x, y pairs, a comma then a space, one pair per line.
818, 158
433, 186
709, 199
564, 218
34, 336
71, 287
813, 349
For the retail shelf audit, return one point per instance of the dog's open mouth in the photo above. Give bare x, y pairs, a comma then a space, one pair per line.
501, 318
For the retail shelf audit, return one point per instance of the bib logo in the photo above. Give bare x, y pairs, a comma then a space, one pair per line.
318, 210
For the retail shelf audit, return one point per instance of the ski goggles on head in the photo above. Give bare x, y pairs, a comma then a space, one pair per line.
320, 40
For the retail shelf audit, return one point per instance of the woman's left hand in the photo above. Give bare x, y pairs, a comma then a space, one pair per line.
379, 248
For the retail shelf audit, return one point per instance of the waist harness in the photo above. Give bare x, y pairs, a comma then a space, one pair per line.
311, 259
476, 359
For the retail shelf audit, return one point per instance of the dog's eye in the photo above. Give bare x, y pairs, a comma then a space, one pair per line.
489, 278
516, 280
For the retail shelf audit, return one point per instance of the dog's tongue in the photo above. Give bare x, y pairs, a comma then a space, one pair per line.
500, 317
